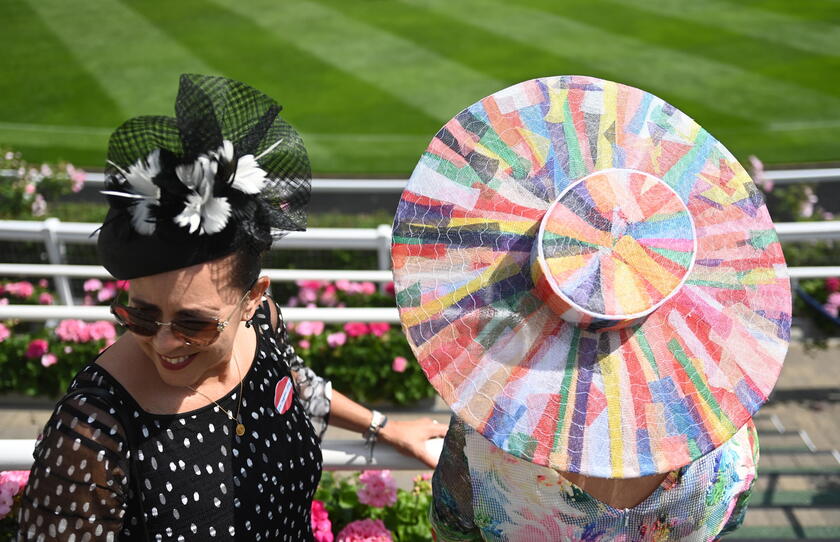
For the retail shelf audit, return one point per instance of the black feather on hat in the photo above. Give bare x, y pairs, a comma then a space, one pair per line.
226, 172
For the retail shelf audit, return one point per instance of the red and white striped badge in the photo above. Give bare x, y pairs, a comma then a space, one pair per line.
283, 393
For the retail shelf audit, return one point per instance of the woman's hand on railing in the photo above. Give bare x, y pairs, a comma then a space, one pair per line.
410, 437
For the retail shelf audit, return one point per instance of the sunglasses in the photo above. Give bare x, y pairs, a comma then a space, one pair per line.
193, 331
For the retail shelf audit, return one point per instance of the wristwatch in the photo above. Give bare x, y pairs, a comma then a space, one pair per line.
377, 422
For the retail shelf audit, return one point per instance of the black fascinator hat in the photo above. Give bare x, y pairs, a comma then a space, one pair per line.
227, 172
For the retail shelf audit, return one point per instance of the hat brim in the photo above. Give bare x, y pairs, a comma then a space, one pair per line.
623, 403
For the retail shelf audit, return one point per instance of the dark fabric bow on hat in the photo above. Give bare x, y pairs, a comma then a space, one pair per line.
226, 172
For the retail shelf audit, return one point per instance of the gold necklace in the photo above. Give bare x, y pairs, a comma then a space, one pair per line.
240, 428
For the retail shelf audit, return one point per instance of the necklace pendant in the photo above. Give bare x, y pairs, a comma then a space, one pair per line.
240, 429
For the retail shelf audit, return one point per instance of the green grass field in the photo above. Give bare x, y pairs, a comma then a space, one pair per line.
368, 82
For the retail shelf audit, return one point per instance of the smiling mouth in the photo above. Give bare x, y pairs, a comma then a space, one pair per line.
176, 363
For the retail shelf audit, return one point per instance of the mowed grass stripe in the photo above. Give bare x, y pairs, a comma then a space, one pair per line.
303, 84
665, 72
813, 36
417, 76
40, 77
759, 56
136, 64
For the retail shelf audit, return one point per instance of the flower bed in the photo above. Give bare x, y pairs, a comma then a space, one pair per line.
369, 360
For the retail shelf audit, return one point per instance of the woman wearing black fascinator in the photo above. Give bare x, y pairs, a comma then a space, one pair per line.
201, 421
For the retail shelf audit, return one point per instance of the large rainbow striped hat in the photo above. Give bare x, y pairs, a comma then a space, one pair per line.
590, 279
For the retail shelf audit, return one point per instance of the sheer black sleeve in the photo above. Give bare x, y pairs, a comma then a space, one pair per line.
78, 484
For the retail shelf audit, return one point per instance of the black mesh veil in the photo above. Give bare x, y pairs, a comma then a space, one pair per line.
226, 171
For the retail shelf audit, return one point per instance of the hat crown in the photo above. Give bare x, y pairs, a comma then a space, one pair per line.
612, 248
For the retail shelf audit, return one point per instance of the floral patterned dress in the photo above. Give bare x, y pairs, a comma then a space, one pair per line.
483, 493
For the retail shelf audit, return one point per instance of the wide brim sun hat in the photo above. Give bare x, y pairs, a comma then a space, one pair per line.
589, 279
225, 172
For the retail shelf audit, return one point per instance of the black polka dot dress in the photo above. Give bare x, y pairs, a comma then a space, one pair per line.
198, 479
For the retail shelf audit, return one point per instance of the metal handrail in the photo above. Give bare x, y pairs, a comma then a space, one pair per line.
16, 454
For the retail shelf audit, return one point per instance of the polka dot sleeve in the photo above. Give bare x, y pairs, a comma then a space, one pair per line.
78, 484
314, 392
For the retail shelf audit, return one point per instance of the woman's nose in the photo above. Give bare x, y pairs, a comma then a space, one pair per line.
165, 342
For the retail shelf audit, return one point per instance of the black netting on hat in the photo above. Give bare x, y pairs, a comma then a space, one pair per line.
226, 172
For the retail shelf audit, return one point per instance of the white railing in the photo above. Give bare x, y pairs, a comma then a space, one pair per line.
380, 186
16, 454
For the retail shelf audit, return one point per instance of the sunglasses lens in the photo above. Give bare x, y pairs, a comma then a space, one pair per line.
135, 321
197, 332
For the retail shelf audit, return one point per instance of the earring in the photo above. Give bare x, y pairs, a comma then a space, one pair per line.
247, 323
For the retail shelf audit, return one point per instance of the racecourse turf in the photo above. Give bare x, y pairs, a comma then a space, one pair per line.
368, 82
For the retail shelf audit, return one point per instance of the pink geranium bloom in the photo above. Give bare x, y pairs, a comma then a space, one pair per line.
308, 295
311, 284
73, 330
379, 328
304, 343
92, 285
367, 288
11, 483
101, 329
43, 283
832, 284
29, 188
356, 329
49, 359
378, 488
123, 285
307, 328
389, 288
37, 348
321, 524
343, 285
108, 291
4, 333
4, 301
399, 364
336, 339
45, 298
365, 530
328, 296
22, 289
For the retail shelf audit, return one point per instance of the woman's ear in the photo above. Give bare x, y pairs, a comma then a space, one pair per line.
255, 297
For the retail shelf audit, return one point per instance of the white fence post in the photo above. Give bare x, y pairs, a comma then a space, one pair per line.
55, 253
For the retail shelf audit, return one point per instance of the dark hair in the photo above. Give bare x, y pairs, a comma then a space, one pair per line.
246, 266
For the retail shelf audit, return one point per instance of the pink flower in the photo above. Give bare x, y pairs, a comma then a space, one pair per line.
834, 299
832, 310
49, 359
832, 284
68, 349
328, 296
367, 288
379, 328
73, 330
304, 343
827, 216
378, 488
4, 333
759, 176
309, 328
343, 285
389, 288
399, 365
29, 188
365, 530
37, 348
356, 329
321, 524
16, 477
101, 329
123, 285
4, 301
108, 291
39, 206
92, 285
44, 283
336, 339
45, 298
88, 301
308, 295
311, 284
22, 289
